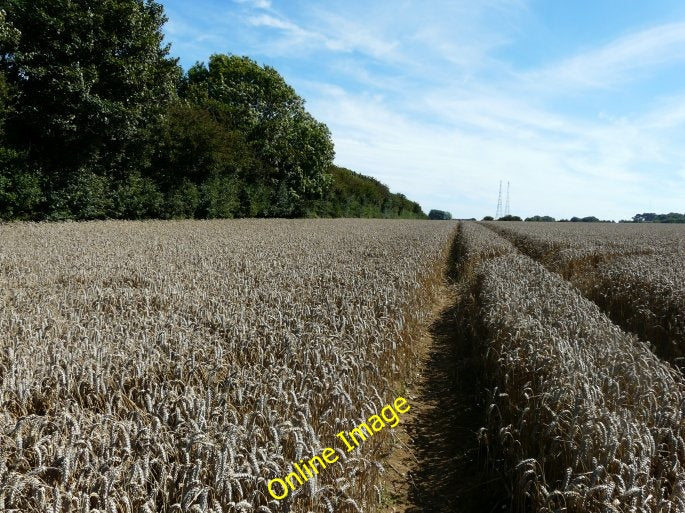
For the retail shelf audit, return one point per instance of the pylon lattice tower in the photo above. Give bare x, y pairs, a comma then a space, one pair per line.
499, 202
506, 208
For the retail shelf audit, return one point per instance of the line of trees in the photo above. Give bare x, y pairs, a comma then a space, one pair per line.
354, 195
439, 215
97, 120
549, 219
649, 217
672, 217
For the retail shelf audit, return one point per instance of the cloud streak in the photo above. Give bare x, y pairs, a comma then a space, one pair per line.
627, 58
258, 4
417, 95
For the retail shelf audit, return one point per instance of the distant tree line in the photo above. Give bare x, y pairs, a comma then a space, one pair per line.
588, 219
355, 195
638, 218
439, 215
541, 219
672, 217
98, 121
549, 219
508, 217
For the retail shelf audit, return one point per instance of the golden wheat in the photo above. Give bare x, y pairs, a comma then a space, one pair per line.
583, 416
636, 273
178, 366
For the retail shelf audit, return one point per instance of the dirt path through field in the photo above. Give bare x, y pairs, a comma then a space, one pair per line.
435, 465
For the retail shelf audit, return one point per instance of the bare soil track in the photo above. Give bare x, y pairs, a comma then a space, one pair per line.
438, 464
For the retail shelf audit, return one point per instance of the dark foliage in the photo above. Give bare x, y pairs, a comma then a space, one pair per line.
589, 219
541, 219
439, 215
97, 121
672, 217
354, 195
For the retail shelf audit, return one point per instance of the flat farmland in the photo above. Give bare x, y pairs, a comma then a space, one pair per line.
634, 272
341, 366
178, 366
585, 412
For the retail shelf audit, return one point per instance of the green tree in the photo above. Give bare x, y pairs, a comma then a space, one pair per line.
9, 36
90, 79
87, 195
193, 146
20, 188
672, 217
21, 191
540, 219
354, 195
439, 215
296, 150
100, 123
138, 197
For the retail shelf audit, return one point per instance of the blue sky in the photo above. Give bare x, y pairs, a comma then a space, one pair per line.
579, 104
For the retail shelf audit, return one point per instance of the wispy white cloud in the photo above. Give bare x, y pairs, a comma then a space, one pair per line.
626, 58
347, 36
267, 20
259, 4
557, 165
669, 114
416, 95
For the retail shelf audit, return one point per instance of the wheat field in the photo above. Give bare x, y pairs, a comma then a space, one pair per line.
179, 366
635, 272
581, 414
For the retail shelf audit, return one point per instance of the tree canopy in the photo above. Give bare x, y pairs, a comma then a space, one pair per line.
295, 151
89, 78
540, 219
97, 120
440, 215
649, 217
355, 195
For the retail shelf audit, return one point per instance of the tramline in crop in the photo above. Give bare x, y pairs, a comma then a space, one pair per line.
583, 415
635, 273
187, 366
